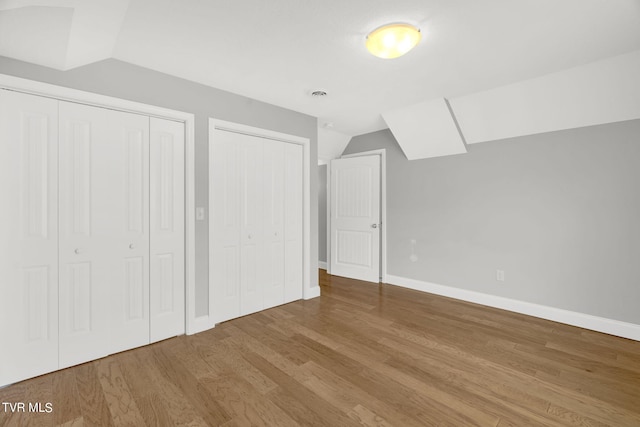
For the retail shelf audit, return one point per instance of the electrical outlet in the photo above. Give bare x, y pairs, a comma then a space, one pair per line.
413, 257
500, 275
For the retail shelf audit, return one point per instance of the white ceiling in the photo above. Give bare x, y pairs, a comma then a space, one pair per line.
278, 51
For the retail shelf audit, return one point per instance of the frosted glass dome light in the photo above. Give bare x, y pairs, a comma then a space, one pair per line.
393, 40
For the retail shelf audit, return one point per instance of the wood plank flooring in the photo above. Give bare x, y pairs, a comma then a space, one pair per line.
361, 354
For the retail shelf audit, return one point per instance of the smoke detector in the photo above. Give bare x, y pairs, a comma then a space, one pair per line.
318, 93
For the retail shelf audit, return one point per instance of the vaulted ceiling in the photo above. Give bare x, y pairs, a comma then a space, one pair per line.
278, 51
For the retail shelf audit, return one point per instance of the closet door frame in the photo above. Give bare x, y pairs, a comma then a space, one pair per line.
193, 324
215, 124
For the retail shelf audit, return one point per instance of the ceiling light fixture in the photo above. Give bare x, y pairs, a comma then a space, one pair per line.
393, 40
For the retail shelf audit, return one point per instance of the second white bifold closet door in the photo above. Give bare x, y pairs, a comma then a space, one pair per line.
256, 236
121, 238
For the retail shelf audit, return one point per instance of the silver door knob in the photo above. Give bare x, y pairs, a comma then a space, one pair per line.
131, 246
76, 251
374, 225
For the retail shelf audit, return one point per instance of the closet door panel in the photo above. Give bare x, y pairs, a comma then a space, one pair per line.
104, 232
127, 185
293, 211
84, 300
167, 286
273, 248
256, 232
29, 230
251, 225
224, 274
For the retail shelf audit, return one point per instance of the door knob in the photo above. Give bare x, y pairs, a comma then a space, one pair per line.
131, 246
374, 225
76, 251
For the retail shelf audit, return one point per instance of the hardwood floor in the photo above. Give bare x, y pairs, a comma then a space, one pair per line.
361, 354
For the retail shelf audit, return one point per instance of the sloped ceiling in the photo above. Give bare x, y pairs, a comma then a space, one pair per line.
38, 34
427, 129
331, 144
600, 92
278, 51
60, 34
604, 91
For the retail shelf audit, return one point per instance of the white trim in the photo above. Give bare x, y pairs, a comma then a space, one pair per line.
192, 323
259, 132
312, 293
328, 221
322, 265
73, 95
89, 98
383, 206
573, 318
307, 291
201, 324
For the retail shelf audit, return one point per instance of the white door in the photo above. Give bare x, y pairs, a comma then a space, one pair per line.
256, 203
273, 249
355, 218
167, 285
104, 232
293, 202
28, 236
237, 224
224, 273
251, 225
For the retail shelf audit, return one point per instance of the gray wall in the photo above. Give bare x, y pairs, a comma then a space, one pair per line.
558, 212
126, 81
322, 213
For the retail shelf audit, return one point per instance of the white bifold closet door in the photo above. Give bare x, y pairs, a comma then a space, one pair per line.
104, 232
121, 231
29, 236
92, 229
167, 290
224, 274
256, 236
273, 214
293, 208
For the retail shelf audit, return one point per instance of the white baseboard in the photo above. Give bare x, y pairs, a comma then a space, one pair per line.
312, 293
582, 320
200, 324
322, 265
